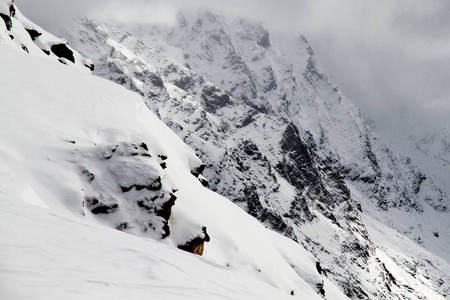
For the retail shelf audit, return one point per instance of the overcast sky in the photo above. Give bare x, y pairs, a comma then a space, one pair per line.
392, 58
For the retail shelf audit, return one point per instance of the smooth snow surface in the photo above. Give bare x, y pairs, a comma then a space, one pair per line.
52, 247
48, 255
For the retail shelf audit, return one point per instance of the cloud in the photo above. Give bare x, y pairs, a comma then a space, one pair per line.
389, 57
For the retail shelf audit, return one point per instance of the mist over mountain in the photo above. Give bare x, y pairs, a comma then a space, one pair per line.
391, 54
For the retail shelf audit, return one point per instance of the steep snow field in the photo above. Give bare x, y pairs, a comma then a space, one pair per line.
49, 255
53, 247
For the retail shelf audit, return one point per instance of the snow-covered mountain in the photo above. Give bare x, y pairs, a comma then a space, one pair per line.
272, 133
78, 152
427, 141
280, 140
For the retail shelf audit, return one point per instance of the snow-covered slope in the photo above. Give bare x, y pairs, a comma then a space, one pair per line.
18, 32
48, 255
287, 149
78, 152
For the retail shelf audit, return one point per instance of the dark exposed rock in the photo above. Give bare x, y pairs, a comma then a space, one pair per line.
12, 11
203, 181
359, 207
390, 278
264, 40
147, 203
312, 73
166, 208
154, 186
299, 170
270, 82
89, 175
371, 155
418, 181
249, 118
214, 98
252, 198
156, 80
7, 20
353, 291
62, 51
251, 149
299, 210
199, 170
320, 288
318, 267
196, 245
104, 209
98, 207
122, 226
33, 33
90, 66
273, 220
184, 82
144, 146
357, 249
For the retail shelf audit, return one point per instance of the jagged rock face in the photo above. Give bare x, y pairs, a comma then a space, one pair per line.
282, 76
278, 160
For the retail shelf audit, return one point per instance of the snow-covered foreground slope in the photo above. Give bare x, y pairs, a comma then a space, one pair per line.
48, 255
68, 137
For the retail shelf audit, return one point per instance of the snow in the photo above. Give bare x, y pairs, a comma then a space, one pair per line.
48, 255
395, 251
53, 248
80, 144
347, 138
18, 37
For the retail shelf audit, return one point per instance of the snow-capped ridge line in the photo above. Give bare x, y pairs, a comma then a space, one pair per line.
20, 33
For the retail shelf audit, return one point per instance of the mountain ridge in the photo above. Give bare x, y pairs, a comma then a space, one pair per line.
188, 94
295, 172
